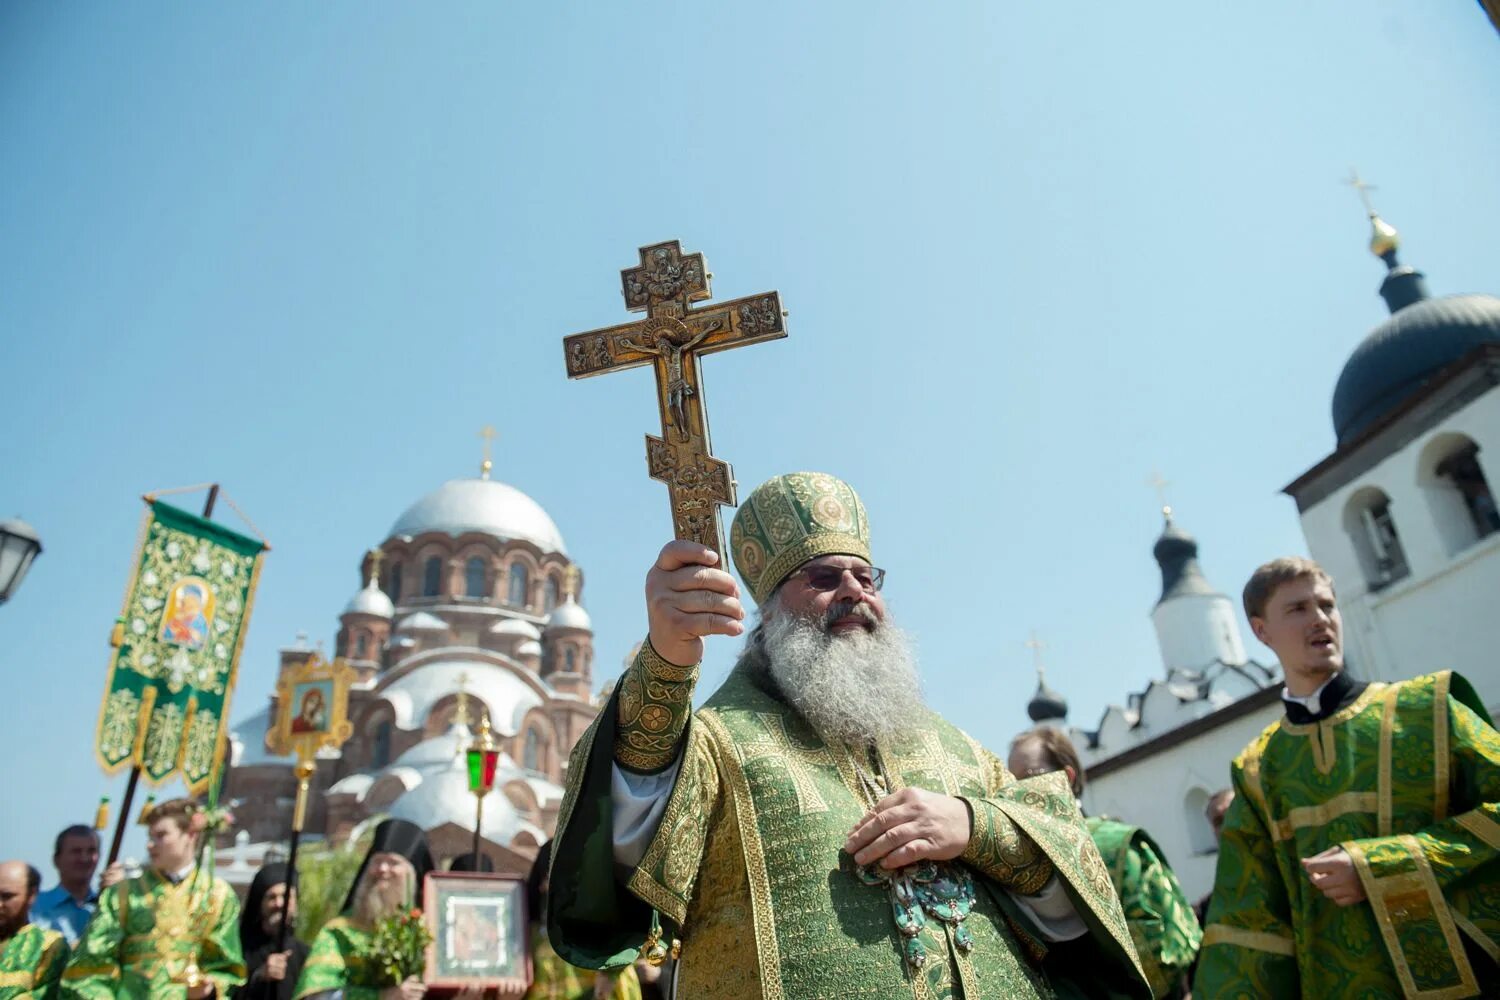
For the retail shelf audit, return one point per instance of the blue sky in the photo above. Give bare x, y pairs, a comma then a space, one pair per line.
1031, 252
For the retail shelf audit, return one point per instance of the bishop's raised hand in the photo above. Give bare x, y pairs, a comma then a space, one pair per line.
688, 597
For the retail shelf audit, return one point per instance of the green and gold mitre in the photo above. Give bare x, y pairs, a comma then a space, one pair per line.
791, 519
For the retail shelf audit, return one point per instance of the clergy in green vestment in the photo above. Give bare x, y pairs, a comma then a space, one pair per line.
814, 830
31, 956
1162, 923
339, 964
149, 933
1359, 856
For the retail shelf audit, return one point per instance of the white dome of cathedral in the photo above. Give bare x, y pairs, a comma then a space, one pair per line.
485, 506
443, 796
570, 614
371, 601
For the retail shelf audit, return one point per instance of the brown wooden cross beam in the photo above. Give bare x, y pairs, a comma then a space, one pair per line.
671, 339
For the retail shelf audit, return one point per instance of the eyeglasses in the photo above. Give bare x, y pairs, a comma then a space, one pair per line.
826, 578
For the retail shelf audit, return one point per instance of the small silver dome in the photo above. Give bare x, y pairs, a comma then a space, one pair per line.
371, 601
570, 614
514, 626
421, 622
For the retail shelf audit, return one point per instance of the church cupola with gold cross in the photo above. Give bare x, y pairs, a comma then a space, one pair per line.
568, 642
365, 625
1195, 624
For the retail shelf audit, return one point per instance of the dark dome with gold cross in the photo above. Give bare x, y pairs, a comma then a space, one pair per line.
1420, 338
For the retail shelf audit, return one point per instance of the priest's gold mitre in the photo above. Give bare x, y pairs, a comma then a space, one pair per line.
793, 518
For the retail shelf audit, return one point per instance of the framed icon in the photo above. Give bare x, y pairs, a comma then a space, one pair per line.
312, 708
479, 928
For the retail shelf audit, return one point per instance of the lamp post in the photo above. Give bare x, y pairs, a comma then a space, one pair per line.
19, 545
483, 756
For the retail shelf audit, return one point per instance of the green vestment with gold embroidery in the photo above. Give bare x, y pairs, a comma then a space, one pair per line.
145, 932
339, 960
746, 867
1162, 925
31, 963
1407, 780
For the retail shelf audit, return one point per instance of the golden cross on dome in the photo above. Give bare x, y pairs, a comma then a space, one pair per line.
1036, 645
671, 339
570, 583
1159, 483
377, 556
461, 715
1363, 189
487, 434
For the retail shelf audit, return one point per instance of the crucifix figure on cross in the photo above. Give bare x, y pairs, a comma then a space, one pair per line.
672, 337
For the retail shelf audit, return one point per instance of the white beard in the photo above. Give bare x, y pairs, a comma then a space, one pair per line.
373, 903
857, 687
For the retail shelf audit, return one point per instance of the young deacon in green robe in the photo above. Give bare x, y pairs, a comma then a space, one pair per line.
31, 957
814, 830
1359, 856
148, 931
1162, 923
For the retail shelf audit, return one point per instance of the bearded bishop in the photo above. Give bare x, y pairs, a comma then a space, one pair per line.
814, 831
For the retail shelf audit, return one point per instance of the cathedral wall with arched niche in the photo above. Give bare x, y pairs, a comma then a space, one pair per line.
537, 737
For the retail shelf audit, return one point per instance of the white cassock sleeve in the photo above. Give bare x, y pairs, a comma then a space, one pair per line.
638, 800
1052, 912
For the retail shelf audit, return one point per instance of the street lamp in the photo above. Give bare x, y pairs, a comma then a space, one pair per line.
19, 545
483, 756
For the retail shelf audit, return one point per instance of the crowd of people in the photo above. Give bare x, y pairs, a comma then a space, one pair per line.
814, 830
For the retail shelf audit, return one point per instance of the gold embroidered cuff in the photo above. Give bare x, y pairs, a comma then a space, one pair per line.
656, 698
999, 850
1420, 935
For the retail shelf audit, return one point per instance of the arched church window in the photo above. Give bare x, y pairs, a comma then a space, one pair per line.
393, 584
550, 597
361, 646
1461, 471
520, 582
380, 744
570, 660
432, 576
474, 577
531, 754
1372, 529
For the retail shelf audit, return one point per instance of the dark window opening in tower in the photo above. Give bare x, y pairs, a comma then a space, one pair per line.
380, 749
531, 755
519, 583
361, 646
474, 578
1372, 529
393, 584
570, 660
432, 576
550, 597
1462, 469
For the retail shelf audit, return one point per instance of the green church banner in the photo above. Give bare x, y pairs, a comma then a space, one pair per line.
177, 647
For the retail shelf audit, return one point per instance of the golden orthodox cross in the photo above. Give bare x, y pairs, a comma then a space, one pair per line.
486, 434
778, 746
1036, 645
671, 339
461, 713
377, 556
1158, 483
1363, 189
